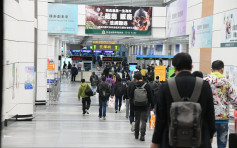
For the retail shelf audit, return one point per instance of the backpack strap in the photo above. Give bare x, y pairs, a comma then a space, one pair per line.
174, 90
197, 90
143, 85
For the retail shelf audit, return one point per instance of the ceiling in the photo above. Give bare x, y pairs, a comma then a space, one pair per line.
123, 40
113, 2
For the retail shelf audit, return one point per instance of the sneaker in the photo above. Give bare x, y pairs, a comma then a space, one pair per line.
116, 111
87, 112
136, 136
104, 118
142, 138
83, 113
133, 127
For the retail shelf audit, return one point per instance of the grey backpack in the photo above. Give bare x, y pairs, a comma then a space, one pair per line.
185, 117
140, 96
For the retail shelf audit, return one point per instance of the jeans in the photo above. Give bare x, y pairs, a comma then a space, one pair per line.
127, 107
73, 77
118, 102
222, 134
140, 116
103, 104
94, 89
86, 102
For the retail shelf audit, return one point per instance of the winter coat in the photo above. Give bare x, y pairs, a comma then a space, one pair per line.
81, 92
223, 94
74, 71
108, 80
185, 84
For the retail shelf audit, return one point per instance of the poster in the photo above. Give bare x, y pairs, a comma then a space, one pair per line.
30, 77
176, 18
177, 48
50, 71
229, 29
160, 71
171, 71
159, 48
201, 35
62, 18
118, 20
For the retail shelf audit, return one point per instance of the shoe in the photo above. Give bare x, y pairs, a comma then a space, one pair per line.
83, 113
104, 118
87, 112
142, 138
116, 111
133, 127
136, 136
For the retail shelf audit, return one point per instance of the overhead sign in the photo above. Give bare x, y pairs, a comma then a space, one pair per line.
104, 42
107, 59
105, 47
118, 20
229, 29
201, 36
77, 58
176, 18
62, 18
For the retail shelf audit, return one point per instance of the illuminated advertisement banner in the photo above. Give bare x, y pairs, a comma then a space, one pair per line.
118, 20
176, 18
229, 29
62, 18
105, 47
201, 36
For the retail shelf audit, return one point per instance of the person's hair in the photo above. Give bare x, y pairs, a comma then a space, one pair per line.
136, 67
93, 73
157, 77
182, 61
103, 78
83, 80
217, 65
115, 71
149, 78
138, 76
197, 74
74, 65
110, 76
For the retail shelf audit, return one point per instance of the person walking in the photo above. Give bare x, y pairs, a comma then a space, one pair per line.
141, 98
64, 67
223, 94
94, 82
184, 85
118, 91
110, 81
86, 101
74, 72
104, 91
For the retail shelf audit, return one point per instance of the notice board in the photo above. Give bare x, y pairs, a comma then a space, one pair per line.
160, 71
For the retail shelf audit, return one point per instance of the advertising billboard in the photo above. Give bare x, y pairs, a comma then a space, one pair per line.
201, 35
118, 20
229, 29
176, 18
62, 18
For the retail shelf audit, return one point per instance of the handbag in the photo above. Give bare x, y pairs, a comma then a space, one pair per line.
88, 91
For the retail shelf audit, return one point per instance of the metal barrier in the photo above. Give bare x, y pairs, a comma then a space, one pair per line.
55, 91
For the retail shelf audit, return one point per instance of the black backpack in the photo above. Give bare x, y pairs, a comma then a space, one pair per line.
120, 90
88, 91
104, 91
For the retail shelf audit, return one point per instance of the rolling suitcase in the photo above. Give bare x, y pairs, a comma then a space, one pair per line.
233, 136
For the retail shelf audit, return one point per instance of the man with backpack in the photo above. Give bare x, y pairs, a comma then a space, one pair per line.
86, 101
118, 91
141, 99
224, 94
116, 76
94, 82
185, 112
104, 91
110, 81
74, 72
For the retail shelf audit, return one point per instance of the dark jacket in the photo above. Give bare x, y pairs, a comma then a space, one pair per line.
97, 79
74, 71
153, 86
185, 84
115, 88
103, 86
149, 95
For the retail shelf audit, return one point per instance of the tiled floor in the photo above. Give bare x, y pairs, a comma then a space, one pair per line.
64, 126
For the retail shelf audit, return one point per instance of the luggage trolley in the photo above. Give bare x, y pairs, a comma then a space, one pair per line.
55, 91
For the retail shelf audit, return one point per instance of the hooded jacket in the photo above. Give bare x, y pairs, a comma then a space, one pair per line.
81, 92
223, 94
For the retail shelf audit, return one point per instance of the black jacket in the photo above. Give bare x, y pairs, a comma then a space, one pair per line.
149, 95
103, 86
185, 84
96, 77
74, 71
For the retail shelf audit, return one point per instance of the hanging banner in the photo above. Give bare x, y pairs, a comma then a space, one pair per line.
176, 18
201, 36
177, 48
118, 20
160, 71
30, 77
229, 29
62, 18
171, 71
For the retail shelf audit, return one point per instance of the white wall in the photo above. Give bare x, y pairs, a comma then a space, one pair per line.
18, 52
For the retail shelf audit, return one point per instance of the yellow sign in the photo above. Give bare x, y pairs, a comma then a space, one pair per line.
104, 42
160, 71
51, 67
